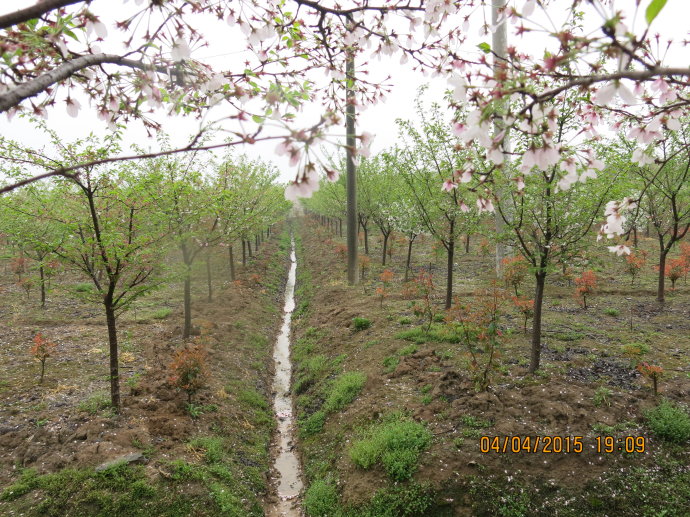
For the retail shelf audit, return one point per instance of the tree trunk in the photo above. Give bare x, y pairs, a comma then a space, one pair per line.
366, 240
540, 278
467, 243
409, 259
42, 275
451, 260
635, 237
187, 331
231, 260
385, 247
112, 343
43, 371
660, 295
351, 171
249, 248
244, 253
340, 227
209, 279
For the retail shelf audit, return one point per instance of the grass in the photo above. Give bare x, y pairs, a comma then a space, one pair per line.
390, 363
612, 312
344, 390
161, 314
321, 498
395, 445
359, 324
669, 422
95, 403
436, 335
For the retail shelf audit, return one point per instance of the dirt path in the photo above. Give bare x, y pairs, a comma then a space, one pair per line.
286, 468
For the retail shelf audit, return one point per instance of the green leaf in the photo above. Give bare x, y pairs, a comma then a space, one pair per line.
653, 10
484, 47
258, 119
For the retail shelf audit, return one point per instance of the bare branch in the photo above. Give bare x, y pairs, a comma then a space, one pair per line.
41, 8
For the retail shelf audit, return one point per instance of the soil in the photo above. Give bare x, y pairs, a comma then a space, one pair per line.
581, 355
50, 426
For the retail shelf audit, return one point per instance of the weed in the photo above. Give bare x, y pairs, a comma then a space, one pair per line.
344, 390
390, 363
161, 314
312, 425
360, 324
601, 396
669, 422
253, 399
95, 403
408, 350
427, 399
395, 445
405, 320
610, 311
321, 498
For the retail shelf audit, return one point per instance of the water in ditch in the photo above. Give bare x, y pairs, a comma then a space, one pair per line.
286, 465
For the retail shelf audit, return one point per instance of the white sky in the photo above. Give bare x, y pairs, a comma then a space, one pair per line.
379, 119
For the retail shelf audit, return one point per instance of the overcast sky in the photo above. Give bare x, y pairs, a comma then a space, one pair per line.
379, 119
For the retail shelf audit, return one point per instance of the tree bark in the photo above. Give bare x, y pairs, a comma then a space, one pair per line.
112, 343
351, 179
231, 260
385, 248
409, 258
209, 279
660, 289
451, 260
187, 331
244, 253
540, 278
467, 243
42, 276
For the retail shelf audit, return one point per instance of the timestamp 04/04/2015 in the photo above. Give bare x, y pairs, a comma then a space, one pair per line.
561, 444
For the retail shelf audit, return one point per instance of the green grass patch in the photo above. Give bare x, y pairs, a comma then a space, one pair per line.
669, 422
435, 335
344, 390
359, 324
96, 403
395, 445
161, 314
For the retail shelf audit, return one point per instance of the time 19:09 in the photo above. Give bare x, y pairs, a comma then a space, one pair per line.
608, 444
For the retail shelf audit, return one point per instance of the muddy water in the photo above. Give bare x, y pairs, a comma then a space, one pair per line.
286, 466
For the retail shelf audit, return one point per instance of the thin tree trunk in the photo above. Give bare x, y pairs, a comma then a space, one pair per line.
540, 278
249, 248
112, 343
340, 226
385, 247
209, 279
351, 172
409, 259
43, 371
187, 331
366, 240
231, 260
467, 243
41, 273
660, 295
244, 253
451, 260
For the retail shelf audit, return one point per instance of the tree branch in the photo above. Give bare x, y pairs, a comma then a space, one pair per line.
31, 88
41, 8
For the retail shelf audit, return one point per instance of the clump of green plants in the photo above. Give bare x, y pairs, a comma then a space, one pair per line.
313, 424
669, 422
405, 320
359, 324
394, 444
161, 314
344, 390
408, 350
321, 498
390, 363
635, 352
610, 311
95, 403
602, 396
